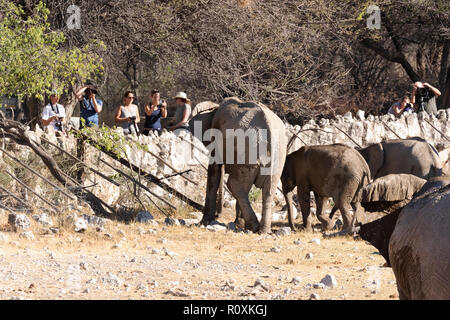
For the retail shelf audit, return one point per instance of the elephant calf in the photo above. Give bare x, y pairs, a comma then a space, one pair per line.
336, 171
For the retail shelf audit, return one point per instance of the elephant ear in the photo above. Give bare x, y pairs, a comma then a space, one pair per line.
374, 156
202, 107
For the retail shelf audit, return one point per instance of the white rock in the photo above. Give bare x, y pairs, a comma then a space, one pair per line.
285, 231
44, 219
275, 249
19, 222
315, 240
80, 225
329, 281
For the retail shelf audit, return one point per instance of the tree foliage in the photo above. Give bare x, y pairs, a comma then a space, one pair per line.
303, 58
32, 62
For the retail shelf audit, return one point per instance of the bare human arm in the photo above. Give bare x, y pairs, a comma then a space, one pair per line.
186, 115
436, 92
117, 117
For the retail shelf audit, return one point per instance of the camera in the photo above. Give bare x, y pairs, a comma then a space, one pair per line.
132, 118
422, 98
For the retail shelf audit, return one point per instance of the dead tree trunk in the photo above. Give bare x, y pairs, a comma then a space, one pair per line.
19, 133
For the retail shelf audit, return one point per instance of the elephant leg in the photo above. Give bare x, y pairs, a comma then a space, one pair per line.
304, 199
320, 212
219, 202
240, 190
239, 222
290, 206
212, 185
268, 190
347, 218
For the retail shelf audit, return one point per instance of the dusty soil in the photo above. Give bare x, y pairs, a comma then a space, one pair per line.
139, 261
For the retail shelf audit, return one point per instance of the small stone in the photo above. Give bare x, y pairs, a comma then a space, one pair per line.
296, 280
54, 230
309, 256
19, 222
315, 241
80, 225
287, 291
86, 290
275, 250
215, 227
44, 219
319, 286
172, 222
95, 221
314, 296
285, 231
177, 292
156, 251
297, 242
329, 281
144, 217
83, 266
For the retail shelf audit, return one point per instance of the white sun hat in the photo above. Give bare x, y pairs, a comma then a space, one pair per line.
181, 95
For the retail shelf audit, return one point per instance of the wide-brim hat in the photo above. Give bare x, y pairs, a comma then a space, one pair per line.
181, 95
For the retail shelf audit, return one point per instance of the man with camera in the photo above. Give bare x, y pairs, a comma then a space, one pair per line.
154, 111
425, 95
90, 106
54, 114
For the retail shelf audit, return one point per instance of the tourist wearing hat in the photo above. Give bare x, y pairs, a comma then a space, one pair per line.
54, 114
154, 111
424, 95
90, 106
182, 113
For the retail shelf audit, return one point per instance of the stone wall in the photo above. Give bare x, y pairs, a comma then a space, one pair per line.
177, 153
372, 129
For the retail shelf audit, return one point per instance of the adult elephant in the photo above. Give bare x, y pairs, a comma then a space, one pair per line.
419, 249
411, 156
258, 162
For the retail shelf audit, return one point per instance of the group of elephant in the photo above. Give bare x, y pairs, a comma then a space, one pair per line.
407, 174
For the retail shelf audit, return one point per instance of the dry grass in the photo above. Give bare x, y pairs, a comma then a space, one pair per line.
204, 261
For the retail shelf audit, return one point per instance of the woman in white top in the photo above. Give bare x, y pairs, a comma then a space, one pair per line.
54, 114
128, 114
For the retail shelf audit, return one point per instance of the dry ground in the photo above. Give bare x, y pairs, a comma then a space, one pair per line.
198, 265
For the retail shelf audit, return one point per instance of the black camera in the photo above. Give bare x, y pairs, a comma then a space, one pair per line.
59, 124
132, 118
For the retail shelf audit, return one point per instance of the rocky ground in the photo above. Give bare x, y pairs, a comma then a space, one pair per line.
157, 260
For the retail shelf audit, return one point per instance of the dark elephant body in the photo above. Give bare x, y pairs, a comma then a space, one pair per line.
410, 156
419, 248
336, 171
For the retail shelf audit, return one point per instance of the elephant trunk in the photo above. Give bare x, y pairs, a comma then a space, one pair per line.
288, 196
